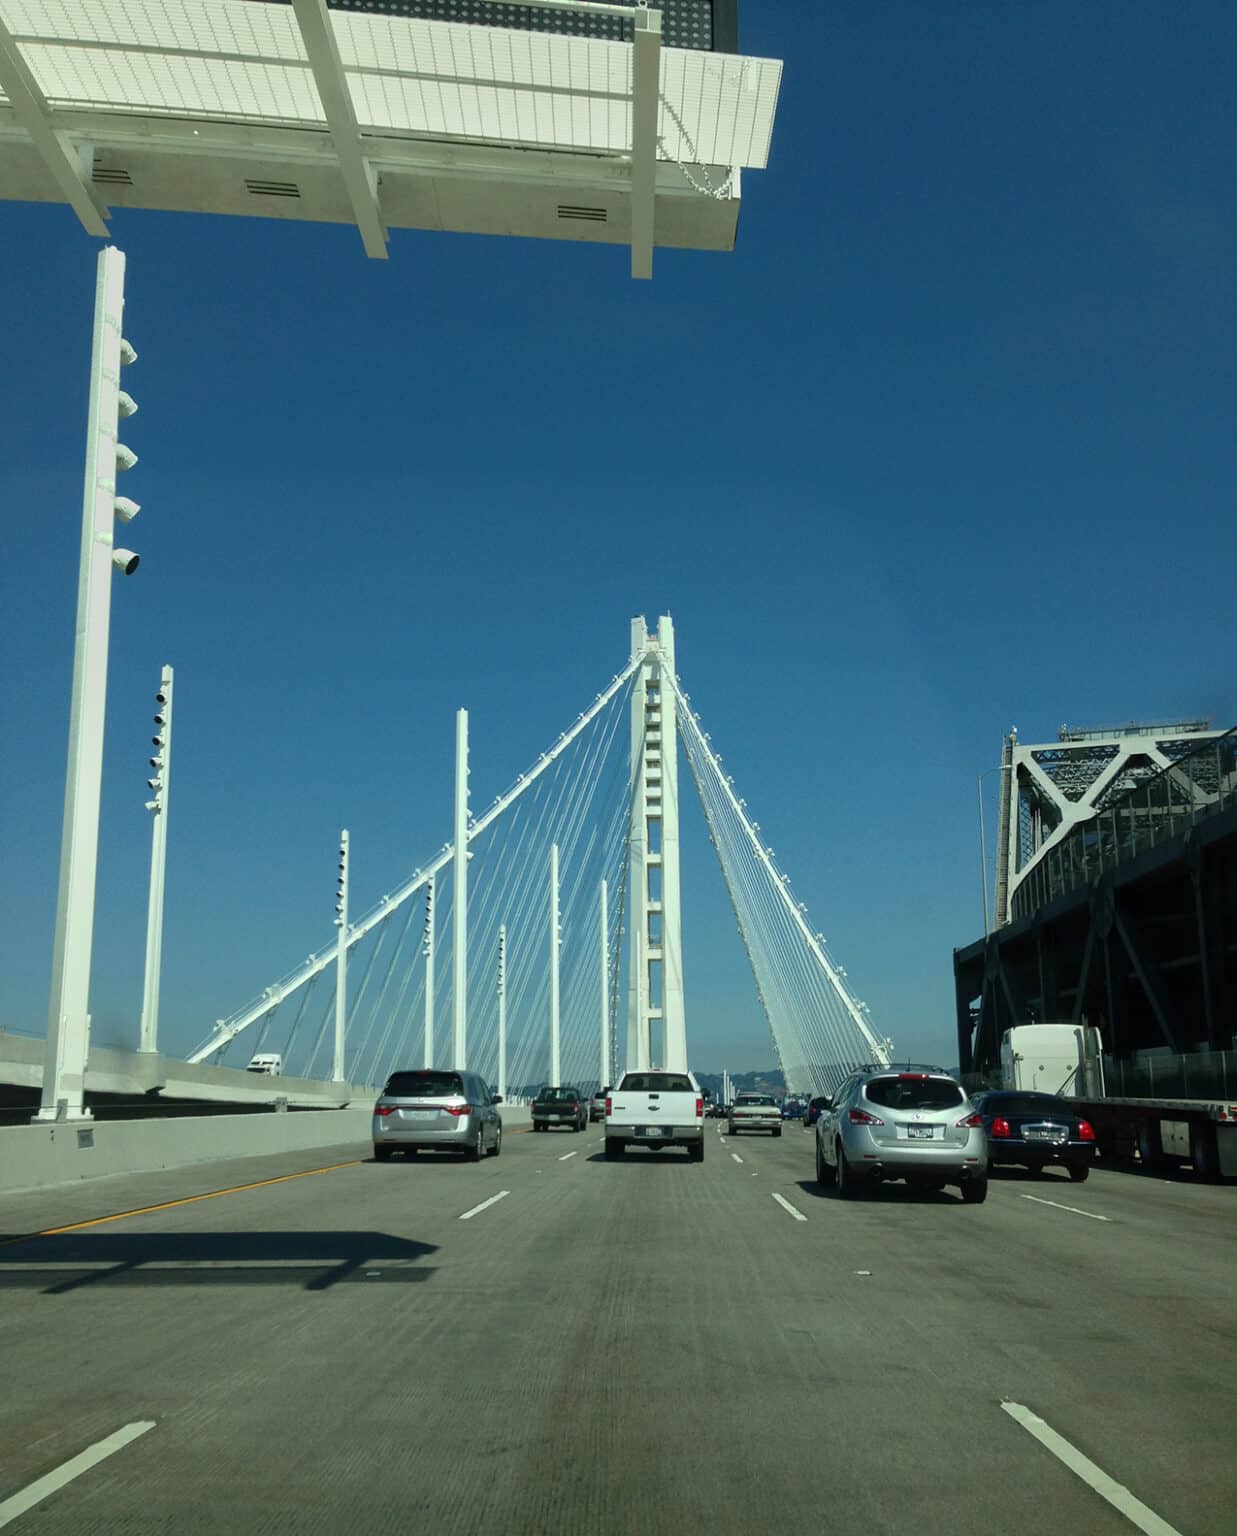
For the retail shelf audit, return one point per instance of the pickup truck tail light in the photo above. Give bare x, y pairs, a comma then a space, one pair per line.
458, 1109
999, 1126
609, 1104
861, 1117
699, 1109
384, 1109
1086, 1131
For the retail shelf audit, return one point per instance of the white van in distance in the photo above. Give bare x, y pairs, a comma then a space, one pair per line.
268, 1065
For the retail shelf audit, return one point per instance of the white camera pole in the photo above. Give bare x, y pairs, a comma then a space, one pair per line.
159, 785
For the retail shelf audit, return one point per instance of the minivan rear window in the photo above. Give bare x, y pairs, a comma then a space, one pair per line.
914, 1092
657, 1082
424, 1085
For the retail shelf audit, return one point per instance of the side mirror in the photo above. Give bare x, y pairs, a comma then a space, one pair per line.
496, 1099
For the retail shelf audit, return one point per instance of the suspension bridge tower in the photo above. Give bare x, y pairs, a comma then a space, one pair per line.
656, 1023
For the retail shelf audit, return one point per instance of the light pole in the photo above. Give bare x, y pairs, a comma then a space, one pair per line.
68, 1017
341, 959
160, 785
555, 943
502, 1010
459, 907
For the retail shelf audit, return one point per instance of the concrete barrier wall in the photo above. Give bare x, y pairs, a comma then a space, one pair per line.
33, 1156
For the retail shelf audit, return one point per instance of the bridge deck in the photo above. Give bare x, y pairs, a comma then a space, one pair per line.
644, 1346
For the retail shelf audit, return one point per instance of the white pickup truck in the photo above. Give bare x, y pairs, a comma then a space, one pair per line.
656, 1109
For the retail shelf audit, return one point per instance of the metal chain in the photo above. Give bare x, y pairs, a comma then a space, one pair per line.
707, 189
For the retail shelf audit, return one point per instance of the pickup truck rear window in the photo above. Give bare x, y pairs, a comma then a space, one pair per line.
914, 1092
657, 1082
423, 1085
557, 1095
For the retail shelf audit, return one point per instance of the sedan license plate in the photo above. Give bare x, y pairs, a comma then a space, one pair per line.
920, 1132
1045, 1133
654, 1130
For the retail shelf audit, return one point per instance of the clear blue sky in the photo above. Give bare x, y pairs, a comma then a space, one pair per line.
946, 445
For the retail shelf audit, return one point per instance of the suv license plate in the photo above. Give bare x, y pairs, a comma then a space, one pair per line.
919, 1132
654, 1130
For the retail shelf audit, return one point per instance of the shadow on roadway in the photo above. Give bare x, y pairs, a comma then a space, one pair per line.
885, 1191
314, 1261
643, 1155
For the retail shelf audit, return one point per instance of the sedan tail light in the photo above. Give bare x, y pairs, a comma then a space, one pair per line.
458, 1109
861, 1117
699, 1109
384, 1109
969, 1123
999, 1127
1086, 1131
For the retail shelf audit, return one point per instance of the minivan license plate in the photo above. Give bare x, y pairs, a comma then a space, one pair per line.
919, 1132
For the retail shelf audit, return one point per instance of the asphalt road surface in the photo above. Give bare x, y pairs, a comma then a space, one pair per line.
650, 1346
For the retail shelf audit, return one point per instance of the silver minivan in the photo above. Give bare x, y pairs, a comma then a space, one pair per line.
437, 1108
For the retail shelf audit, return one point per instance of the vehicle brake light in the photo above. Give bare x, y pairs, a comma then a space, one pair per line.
912, 1077
458, 1109
699, 1109
609, 1103
999, 1127
1086, 1131
969, 1123
384, 1109
861, 1117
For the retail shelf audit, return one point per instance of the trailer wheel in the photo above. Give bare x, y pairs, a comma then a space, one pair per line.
1205, 1152
1150, 1154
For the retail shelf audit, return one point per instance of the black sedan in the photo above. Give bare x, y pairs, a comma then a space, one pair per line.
1035, 1129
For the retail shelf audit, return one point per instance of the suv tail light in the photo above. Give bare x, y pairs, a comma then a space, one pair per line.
1086, 1131
969, 1123
458, 1109
861, 1117
699, 1109
999, 1127
609, 1103
384, 1109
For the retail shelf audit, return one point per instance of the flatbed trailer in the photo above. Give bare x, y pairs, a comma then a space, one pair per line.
1166, 1132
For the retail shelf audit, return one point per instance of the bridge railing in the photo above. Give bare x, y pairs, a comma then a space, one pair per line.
1196, 786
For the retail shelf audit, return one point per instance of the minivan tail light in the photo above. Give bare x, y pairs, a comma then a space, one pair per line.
699, 1109
384, 1109
861, 1117
969, 1123
458, 1109
1086, 1131
999, 1127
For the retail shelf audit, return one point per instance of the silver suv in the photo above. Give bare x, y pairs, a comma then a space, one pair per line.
437, 1109
915, 1124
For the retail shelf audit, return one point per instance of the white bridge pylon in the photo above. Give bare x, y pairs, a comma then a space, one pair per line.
586, 842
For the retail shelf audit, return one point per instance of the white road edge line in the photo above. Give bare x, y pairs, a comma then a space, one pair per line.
736, 1157
1120, 1497
565, 1156
786, 1205
1061, 1207
74, 1467
485, 1204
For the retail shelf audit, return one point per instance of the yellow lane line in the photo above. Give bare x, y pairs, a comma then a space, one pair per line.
167, 1205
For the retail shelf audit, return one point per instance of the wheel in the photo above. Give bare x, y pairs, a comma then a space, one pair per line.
1078, 1172
731, 1128
777, 1130
410, 1152
975, 1192
383, 1154
537, 1127
498, 1143
614, 1149
475, 1154
935, 1185
823, 1175
845, 1180
696, 1151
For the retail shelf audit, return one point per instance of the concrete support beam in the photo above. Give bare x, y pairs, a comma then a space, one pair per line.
645, 99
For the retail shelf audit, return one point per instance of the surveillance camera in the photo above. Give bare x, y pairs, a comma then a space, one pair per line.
125, 561
152, 805
125, 509
125, 457
161, 720
161, 697
155, 784
127, 354
126, 405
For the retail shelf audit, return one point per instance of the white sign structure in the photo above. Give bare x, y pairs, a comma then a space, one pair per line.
383, 121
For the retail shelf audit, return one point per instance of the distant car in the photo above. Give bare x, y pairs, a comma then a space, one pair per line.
597, 1105
1035, 1129
814, 1107
267, 1064
918, 1126
560, 1108
423, 1109
792, 1110
755, 1112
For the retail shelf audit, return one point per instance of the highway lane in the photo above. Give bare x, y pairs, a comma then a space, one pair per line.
639, 1346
